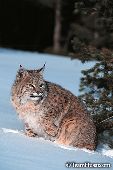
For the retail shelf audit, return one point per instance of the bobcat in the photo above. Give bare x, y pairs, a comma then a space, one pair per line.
50, 111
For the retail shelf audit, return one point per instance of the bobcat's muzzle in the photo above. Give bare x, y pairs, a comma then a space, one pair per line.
36, 96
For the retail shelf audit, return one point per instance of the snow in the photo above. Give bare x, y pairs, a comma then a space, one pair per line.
18, 152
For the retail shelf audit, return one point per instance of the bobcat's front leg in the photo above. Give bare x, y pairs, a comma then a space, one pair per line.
50, 128
29, 132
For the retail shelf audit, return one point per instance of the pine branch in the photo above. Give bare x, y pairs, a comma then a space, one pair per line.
101, 127
105, 119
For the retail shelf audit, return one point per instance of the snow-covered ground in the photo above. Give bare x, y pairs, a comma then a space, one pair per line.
18, 152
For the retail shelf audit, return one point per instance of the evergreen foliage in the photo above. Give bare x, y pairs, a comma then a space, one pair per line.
97, 95
92, 29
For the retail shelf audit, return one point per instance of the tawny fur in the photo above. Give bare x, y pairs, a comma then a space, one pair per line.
51, 112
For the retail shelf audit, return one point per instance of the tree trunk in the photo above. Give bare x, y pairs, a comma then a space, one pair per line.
57, 27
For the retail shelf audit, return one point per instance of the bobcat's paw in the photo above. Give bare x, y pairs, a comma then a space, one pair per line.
30, 133
52, 131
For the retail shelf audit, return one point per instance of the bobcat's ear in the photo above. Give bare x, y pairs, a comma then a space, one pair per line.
22, 71
41, 70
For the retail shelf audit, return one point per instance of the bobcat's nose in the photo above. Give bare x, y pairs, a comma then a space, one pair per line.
40, 94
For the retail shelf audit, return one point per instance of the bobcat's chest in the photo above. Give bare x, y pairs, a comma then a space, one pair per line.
34, 122
32, 115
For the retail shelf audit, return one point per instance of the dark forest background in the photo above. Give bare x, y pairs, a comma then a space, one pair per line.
61, 26
30, 24
81, 29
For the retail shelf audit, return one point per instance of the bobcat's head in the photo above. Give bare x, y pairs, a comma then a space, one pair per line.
30, 85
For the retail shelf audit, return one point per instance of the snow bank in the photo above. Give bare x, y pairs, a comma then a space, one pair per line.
18, 152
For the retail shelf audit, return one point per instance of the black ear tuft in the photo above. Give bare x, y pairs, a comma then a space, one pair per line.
21, 66
42, 69
22, 71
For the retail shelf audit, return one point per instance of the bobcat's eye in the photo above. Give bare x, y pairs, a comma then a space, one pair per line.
32, 86
41, 85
